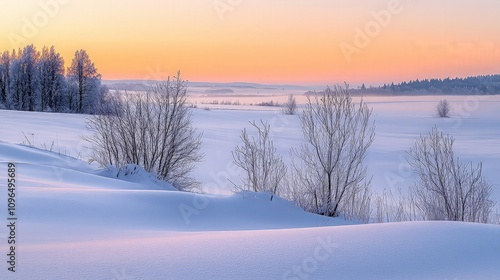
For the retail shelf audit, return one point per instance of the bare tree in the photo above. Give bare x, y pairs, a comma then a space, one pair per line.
443, 109
446, 188
331, 172
290, 106
152, 129
265, 171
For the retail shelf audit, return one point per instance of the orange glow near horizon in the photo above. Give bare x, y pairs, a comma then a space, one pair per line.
295, 42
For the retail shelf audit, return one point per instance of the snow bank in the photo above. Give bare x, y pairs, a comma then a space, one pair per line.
79, 222
416, 250
59, 188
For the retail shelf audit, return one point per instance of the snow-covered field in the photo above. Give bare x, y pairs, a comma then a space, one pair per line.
78, 222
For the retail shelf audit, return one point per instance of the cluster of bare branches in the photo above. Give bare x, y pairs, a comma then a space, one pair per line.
388, 207
152, 129
338, 133
265, 170
329, 177
290, 106
448, 189
443, 109
328, 173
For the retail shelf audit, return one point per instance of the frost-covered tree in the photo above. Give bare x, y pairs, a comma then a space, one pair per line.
14, 99
443, 109
330, 169
152, 129
34, 81
24, 83
29, 78
83, 73
4, 77
52, 81
264, 169
71, 97
290, 106
447, 189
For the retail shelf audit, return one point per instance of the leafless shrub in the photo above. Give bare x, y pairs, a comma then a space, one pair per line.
268, 104
290, 106
330, 169
152, 129
443, 109
391, 208
264, 169
495, 217
448, 189
357, 205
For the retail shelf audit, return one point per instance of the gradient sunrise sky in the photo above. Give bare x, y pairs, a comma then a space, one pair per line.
267, 41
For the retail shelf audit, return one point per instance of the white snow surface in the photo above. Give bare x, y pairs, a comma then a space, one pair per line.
76, 221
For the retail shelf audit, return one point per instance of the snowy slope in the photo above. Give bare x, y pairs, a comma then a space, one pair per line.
416, 250
78, 223
475, 123
53, 187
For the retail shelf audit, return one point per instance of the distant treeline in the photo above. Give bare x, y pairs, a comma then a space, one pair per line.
489, 84
38, 81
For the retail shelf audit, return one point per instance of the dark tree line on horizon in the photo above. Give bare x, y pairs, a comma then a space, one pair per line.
487, 84
31, 80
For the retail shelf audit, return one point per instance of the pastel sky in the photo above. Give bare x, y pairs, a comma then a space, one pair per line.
267, 41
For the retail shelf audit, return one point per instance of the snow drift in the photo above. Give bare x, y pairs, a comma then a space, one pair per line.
77, 222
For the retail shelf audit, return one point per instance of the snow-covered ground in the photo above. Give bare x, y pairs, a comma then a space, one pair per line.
78, 222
